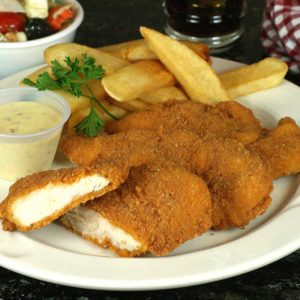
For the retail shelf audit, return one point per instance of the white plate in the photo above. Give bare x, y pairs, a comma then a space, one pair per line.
56, 255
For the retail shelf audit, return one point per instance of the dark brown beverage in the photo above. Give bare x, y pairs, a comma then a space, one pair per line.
216, 22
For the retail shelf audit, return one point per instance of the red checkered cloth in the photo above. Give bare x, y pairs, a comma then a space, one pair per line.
281, 31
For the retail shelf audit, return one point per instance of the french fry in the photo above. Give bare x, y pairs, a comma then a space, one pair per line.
132, 50
78, 116
200, 49
133, 105
76, 103
33, 76
163, 94
263, 75
75, 118
59, 52
193, 73
136, 79
97, 88
137, 50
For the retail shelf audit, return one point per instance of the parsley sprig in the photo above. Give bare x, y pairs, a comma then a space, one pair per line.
72, 79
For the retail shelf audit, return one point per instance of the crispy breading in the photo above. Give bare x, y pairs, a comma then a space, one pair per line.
227, 119
280, 148
238, 179
113, 172
140, 144
161, 205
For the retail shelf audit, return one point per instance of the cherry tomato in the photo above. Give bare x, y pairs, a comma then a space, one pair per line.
11, 22
60, 16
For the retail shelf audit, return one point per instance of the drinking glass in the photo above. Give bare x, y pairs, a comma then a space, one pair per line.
217, 23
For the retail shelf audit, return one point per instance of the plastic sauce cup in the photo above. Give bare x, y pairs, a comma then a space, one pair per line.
24, 154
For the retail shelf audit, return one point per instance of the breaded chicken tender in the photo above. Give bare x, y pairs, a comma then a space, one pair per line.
280, 148
227, 119
239, 180
159, 207
36, 200
140, 144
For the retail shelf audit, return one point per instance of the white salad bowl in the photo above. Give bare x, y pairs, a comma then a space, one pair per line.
17, 56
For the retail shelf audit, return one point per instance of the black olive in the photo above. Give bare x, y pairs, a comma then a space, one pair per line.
37, 28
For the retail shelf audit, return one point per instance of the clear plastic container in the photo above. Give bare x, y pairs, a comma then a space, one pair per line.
24, 154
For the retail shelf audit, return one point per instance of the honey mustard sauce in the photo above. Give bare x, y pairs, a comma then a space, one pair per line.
20, 156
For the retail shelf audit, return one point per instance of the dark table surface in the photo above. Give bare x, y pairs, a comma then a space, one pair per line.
112, 21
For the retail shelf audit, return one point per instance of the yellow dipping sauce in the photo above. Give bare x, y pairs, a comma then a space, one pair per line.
23, 155
27, 117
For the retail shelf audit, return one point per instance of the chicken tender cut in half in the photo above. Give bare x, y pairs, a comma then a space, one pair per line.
280, 148
227, 119
159, 207
36, 200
